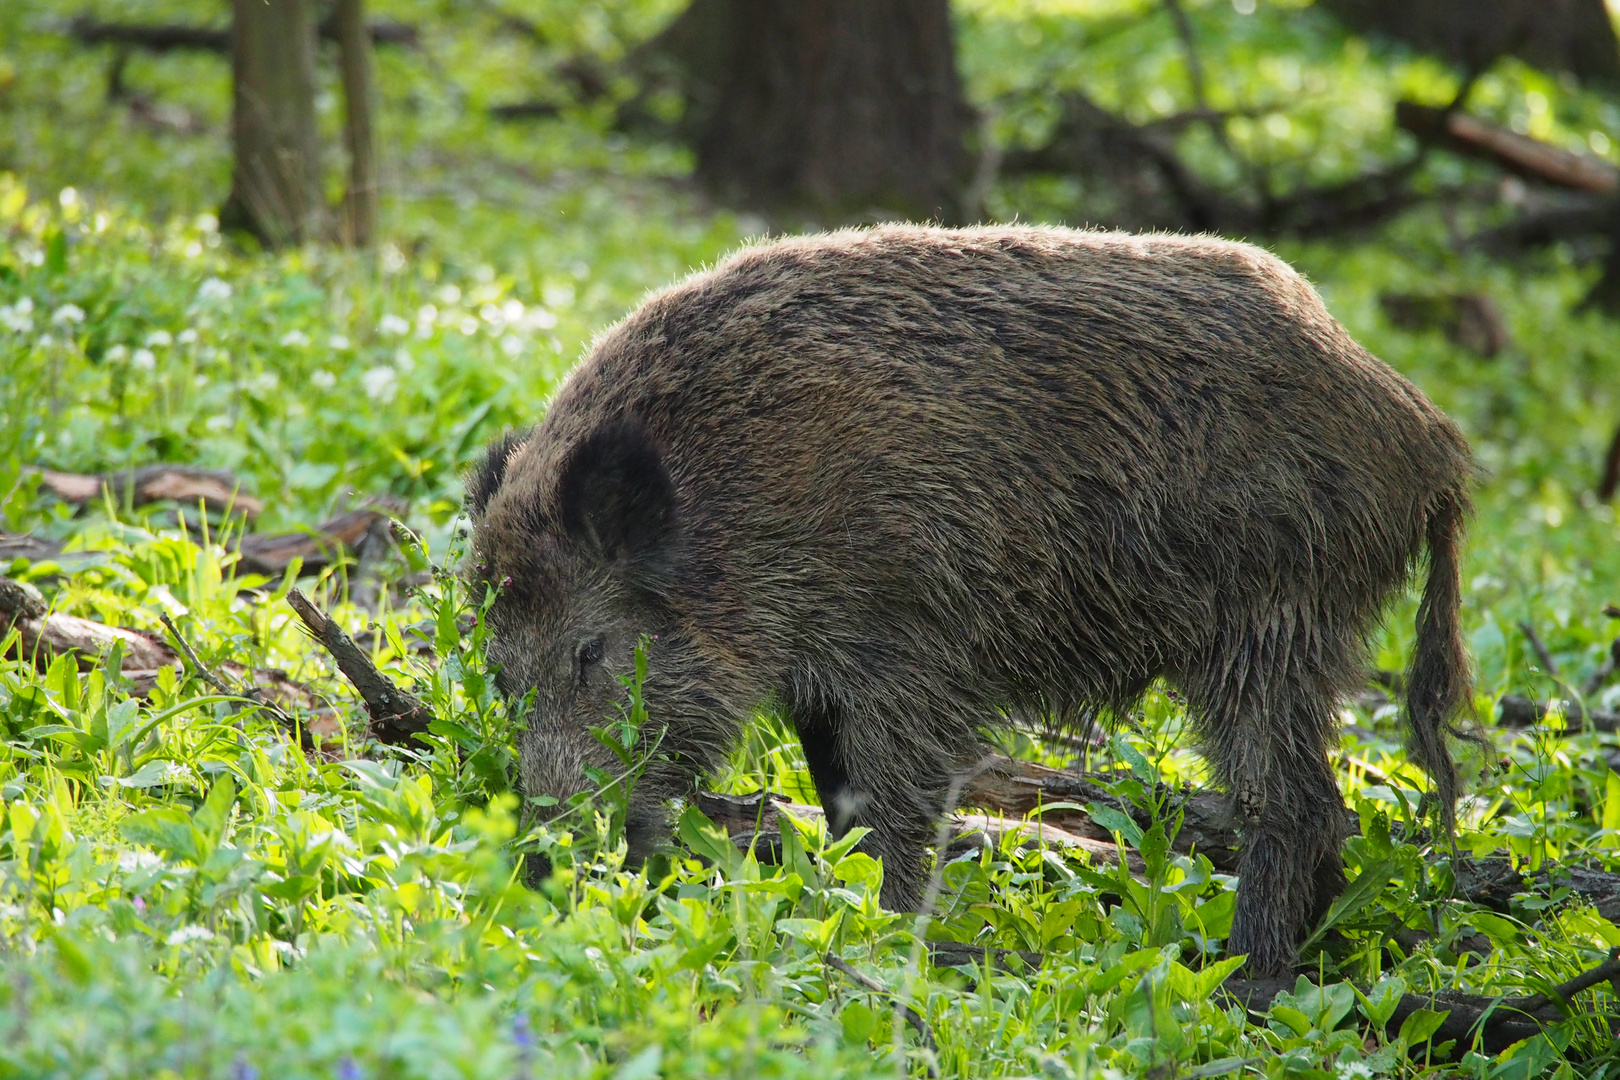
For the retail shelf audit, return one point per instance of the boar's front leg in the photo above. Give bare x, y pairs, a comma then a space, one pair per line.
866, 774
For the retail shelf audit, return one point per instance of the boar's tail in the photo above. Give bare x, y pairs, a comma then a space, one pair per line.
1438, 684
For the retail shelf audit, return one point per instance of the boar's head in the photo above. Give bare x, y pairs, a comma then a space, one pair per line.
579, 539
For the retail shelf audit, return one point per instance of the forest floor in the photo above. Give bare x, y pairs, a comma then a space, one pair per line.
194, 884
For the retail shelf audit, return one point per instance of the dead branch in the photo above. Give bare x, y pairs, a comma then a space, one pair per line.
1189, 46
913, 1018
1603, 672
218, 491
201, 668
526, 110
1522, 155
1611, 469
1518, 711
1159, 189
396, 714
1539, 647
1471, 320
171, 37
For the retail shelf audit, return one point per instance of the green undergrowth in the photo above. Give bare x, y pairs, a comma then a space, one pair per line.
183, 888
186, 890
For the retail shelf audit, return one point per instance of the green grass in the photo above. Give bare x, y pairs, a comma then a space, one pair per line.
185, 892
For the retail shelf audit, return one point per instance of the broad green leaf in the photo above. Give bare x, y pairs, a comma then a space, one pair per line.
1421, 1025
1367, 887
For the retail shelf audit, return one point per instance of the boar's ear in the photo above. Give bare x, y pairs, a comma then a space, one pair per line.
484, 479
615, 493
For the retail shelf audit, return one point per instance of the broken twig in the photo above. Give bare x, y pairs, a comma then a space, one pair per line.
913, 1017
396, 715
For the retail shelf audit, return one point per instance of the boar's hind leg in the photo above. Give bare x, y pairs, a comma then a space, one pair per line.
1269, 743
865, 776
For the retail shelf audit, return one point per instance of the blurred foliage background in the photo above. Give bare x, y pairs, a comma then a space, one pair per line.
187, 889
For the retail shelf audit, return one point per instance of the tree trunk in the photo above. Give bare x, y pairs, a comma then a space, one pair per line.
839, 108
1555, 35
275, 185
354, 58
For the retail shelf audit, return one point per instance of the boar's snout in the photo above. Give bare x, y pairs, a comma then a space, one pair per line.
553, 762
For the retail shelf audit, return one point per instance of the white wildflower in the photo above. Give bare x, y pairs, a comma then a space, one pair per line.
381, 383
218, 423
188, 336
143, 360
404, 361
264, 383
117, 353
67, 313
133, 859
201, 380
190, 933
322, 379
295, 339
16, 318
337, 341
214, 289
159, 339
392, 325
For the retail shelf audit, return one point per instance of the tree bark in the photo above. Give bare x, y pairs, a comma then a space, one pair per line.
849, 109
1555, 35
275, 186
354, 58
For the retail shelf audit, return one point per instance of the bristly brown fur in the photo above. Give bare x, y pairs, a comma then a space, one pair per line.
902, 481
487, 475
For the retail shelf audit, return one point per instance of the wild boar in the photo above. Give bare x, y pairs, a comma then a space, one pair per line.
904, 483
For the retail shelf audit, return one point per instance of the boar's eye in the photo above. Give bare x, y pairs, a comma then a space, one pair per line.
587, 654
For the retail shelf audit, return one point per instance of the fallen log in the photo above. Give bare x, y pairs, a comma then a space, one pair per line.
358, 531
1520, 712
1019, 788
217, 490
755, 822
29, 548
44, 635
1498, 1020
